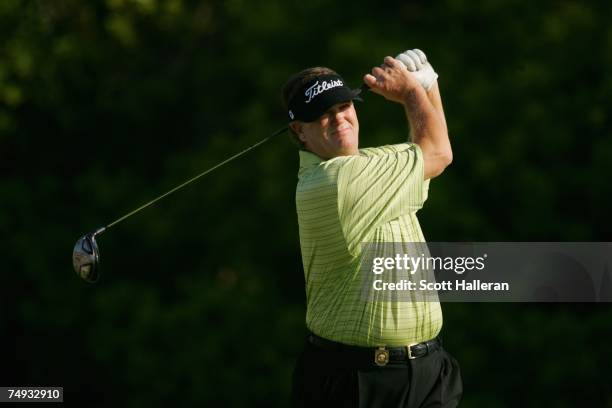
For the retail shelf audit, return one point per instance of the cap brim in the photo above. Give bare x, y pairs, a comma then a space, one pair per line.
330, 99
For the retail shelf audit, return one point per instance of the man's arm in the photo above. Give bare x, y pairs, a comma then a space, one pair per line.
426, 117
436, 100
428, 129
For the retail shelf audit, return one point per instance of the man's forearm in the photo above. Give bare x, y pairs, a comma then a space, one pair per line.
428, 128
433, 94
436, 100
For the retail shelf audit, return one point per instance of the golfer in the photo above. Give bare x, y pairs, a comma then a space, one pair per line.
363, 353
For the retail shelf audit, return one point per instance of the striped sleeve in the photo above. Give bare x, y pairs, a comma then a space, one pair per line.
379, 186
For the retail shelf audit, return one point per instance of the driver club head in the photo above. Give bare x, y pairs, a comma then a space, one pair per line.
86, 257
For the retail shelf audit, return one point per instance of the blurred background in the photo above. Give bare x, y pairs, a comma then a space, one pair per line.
106, 104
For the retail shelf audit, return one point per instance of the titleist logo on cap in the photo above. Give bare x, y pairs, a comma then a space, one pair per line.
317, 88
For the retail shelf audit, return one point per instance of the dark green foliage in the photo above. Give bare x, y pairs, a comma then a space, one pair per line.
103, 105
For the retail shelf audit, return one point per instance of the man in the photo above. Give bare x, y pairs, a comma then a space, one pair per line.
362, 352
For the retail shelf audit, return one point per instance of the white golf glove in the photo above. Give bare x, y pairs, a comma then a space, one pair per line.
416, 62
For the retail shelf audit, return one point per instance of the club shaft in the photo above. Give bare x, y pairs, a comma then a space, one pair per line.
191, 180
364, 87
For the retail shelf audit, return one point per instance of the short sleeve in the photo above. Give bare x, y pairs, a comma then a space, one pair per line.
378, 186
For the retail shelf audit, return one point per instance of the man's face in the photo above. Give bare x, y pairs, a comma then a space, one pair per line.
335, 133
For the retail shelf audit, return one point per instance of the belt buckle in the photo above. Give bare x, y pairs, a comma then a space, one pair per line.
381, 356
410, 356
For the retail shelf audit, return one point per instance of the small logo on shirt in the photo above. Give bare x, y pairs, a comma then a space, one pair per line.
317, 88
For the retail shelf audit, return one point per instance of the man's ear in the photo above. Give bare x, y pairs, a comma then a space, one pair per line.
297, 128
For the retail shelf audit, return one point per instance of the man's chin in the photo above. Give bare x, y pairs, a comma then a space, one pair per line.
348, 143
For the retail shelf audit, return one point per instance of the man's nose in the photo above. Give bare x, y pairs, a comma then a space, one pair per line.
337, 116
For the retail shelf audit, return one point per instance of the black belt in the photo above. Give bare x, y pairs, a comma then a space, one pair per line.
380, 356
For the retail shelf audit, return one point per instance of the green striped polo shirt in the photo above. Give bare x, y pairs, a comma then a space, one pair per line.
342, 203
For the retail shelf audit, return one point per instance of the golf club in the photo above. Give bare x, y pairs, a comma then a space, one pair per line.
86, 255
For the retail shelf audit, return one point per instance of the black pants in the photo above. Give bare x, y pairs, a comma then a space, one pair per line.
324, 378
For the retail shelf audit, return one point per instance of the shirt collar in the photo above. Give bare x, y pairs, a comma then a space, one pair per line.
308, 159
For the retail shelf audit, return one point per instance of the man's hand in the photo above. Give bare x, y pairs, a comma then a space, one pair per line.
416, 62
392, 80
